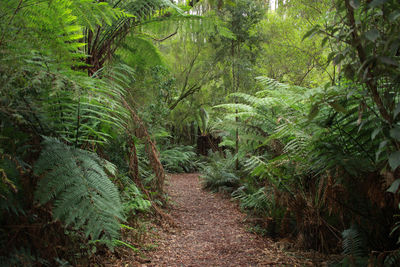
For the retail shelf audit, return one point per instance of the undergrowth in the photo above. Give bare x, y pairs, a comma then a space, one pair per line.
219, 174
180, 159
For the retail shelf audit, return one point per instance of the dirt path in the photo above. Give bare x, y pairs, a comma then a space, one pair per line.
211, 232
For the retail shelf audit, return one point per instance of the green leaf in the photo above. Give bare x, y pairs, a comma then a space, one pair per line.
377, 3
394, 187
394, 16
380, 149
375, 133
394, 160
338, 58
388, 61
117, 242
372, 35
313, 112
331, 56
83, 195
355, 3
310, 33
324, 41
397, 110
395, 133
336, 106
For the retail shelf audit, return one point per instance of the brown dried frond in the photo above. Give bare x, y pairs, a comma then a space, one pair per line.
285, 228
18, 166
374, 186
388, 178
309, 205
276, 147
334, 194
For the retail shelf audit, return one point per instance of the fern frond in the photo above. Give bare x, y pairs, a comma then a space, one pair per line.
353, 243
392, 259
259, 201
179, 159
82, 194
233, 107
219, 174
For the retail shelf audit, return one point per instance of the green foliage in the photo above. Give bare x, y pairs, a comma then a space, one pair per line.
219, 175
139, 53
259, 201
49, 28
310, 159
179, 159
77, 108
392, 259
102, 42
134, 201
370, 58
82, 194
354, 248
286, 55
292, 151
203, 122
38, 85
353, 243
59, 78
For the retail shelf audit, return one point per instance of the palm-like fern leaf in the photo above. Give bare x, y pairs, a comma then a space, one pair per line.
83, 195
103, 41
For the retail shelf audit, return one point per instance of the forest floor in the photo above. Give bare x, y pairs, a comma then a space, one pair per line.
211, 231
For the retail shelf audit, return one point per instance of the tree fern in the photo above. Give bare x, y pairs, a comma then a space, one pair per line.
53, 27
37, 81
82, 194
103, 41
269, 170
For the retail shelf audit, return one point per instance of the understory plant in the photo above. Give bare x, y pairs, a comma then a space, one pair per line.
313, 166
179, 159
64, 100
218, 174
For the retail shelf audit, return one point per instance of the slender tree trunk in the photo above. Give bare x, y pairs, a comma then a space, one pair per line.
235, 84
370, 82
236, 111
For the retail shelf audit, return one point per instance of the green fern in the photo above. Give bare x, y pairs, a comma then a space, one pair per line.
134, 201
111, 33
354, 248
392, 259
260, 201
219, 174
179, 159
82, 194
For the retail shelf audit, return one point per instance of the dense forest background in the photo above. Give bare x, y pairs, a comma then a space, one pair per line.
292, 104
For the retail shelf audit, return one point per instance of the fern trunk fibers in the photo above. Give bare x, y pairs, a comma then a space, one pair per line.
151, 149
133, 162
